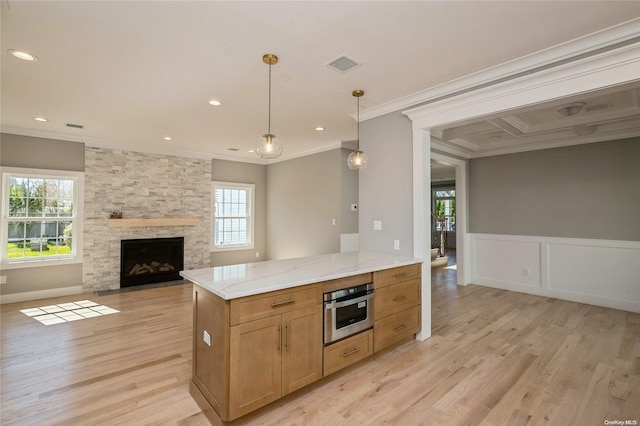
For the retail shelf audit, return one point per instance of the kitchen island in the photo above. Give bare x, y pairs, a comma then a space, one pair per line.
258, 327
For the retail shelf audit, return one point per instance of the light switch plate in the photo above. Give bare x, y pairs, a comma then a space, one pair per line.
377, 225
207, 338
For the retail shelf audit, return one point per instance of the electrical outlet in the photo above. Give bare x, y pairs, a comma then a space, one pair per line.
257, 254
377, 225
3, 279
526, 272
396, 244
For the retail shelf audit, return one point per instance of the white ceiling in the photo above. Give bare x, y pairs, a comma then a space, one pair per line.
133, 72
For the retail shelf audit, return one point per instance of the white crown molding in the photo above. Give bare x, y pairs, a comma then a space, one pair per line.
557, 143
607, 69
449, 149
526, 64
171, 151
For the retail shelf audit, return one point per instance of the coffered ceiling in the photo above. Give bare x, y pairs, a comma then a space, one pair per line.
128, 74
609, 114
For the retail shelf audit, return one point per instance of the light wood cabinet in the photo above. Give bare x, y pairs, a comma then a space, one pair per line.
252, 362
347, 352
396, 305
251, 351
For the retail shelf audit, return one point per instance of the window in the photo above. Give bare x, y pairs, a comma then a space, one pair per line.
41, 217
232, 216
444, 200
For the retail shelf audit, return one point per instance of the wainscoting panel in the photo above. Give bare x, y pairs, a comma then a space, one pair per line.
598, 272
505, 261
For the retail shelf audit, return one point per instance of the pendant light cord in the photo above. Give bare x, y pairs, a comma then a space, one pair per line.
358, 114
269, 114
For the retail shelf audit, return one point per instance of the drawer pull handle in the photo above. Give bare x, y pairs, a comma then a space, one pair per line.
400, 275
351, 352
400, 298
399, 328
285, 302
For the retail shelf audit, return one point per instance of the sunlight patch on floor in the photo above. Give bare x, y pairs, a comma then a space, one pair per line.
454, 267
65, 312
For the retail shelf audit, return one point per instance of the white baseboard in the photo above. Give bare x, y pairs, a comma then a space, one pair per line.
597, 272
40, 294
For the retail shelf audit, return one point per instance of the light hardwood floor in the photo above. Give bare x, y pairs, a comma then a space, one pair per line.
495, 358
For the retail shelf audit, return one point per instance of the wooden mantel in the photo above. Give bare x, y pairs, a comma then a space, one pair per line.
162, 221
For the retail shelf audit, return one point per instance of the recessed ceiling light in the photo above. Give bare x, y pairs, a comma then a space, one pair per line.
215, 102
252, 150
168, 138
319, 128
41, 119
25, 56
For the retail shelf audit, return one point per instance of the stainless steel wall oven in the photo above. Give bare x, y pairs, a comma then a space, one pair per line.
347, 311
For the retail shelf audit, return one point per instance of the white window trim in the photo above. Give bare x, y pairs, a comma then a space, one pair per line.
78, 218
251, 245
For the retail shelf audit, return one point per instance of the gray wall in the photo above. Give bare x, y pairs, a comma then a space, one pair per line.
583, 191
386, 186
304, 197
348, 195
232, 171
40, 153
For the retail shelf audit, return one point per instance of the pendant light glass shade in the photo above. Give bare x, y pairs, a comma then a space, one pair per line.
270, 147
358, 160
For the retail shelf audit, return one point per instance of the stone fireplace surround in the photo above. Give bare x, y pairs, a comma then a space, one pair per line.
142, 185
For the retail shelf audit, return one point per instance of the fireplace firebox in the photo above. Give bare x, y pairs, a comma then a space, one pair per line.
150, 260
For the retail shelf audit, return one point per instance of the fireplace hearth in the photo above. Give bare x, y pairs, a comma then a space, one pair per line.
150, 260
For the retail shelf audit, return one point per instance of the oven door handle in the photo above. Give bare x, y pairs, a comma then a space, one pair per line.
342, 304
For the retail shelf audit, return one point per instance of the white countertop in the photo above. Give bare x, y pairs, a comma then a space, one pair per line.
247, 279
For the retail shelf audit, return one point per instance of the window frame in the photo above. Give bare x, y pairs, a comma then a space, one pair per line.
76, 218
250, 187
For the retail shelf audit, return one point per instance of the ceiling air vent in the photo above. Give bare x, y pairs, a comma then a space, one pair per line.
343, 63
75, 126
233, 149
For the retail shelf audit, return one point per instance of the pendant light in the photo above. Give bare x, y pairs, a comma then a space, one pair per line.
270, 147
357, 159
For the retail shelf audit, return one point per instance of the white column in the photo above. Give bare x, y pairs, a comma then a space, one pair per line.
422, 220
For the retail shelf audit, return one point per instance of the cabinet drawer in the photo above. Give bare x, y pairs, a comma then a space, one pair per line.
348, 351
395, 328
396, 275
397, 297
276, 302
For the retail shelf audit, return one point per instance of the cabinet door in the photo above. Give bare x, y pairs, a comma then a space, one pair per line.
302, 348
255, 365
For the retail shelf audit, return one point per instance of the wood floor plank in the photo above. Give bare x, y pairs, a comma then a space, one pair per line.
495, 358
